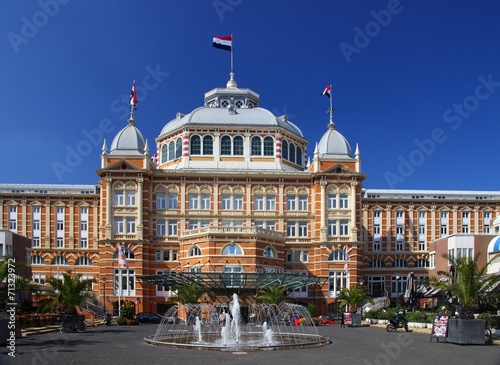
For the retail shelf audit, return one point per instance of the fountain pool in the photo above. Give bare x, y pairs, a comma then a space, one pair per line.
219, 326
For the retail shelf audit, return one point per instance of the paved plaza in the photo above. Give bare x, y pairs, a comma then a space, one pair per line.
362, 345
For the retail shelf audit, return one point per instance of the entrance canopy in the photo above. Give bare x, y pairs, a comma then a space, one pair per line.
232, 281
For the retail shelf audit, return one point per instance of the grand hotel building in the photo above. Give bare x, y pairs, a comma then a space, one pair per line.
230, 199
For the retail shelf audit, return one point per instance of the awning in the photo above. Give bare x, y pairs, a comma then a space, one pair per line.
232, 281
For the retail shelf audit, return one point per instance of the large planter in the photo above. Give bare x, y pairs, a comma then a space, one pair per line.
466, 331
356, 319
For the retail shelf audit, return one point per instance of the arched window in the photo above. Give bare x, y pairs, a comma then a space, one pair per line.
164, 153
256, 146
232, 249
194, 251
268, 146
171, 151
83, 261
298, 160
337, 255
225, 146
195, 145
284, 149
126, 252
291, 154
377, 263
208, 145
37, 260
238, 146
400, 263
270, 252
422, 263
178, 148
59, 260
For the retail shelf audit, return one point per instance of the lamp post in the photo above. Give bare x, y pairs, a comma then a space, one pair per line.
104, 292
397, 292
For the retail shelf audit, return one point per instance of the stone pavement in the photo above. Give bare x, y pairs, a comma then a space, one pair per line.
361, 345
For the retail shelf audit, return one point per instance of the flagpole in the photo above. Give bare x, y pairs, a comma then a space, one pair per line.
331, 105
119, 291
232, 45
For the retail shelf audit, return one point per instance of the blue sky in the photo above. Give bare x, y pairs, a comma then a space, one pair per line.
415, 83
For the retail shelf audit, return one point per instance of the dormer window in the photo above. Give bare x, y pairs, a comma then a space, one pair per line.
224, 103
239, 103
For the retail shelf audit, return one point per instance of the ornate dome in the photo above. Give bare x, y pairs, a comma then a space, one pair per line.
128, 141
334, 144
209, 116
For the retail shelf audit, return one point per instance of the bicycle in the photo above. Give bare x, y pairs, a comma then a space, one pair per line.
72, 323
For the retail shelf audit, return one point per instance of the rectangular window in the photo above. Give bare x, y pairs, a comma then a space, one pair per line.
130, 221
118, 225
290, 229
118, 198
172, 228
172, 201
271, 225
205, 223
332, 227
160, 227
36, 242
130, 195
376, 245
193, 224
290, 202
271, 202
160, 201
205, 201
60, 242
84, 243
302, 229
303, 202
83, 226
344, 201
344, 227
158, 254
226, 202
193, 201
331, 201
36, 225
336, 281
259, 202
238, 202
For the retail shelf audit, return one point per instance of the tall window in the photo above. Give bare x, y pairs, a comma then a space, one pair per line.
284, 149
238, 146
344, 227
270, 202
344, 201
171, 151
172, 227
256, 146
268, 146
208, 145
336, 281
124, 282
160, 201
332, 227
331, 201
193, 201
160, 227
205, 201
225, 146
290, 202
303, 202
302, 229
172, 201
259, 202
195, 145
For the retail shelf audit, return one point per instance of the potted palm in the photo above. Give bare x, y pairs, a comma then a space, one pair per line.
351, 299
471, 286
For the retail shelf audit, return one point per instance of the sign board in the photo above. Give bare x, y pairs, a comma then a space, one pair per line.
439, 327
347, 319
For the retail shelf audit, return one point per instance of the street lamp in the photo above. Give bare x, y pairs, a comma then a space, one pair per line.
104, 290
397, 292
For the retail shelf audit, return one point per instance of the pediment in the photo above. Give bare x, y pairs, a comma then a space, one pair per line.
340, 168
122, 165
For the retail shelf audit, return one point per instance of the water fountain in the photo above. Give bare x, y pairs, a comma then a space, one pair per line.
219, 326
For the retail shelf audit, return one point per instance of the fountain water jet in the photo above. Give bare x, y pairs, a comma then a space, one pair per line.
264, 327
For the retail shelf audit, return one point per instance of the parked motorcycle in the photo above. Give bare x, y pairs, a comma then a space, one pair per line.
399, 321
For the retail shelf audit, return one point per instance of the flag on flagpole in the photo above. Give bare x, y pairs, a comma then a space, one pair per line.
133, 96
346, 257
327, 91
223, 42
122, 261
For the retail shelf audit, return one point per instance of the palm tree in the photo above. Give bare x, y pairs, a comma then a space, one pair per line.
468, 282
352, 297
70, 292
273, 294
188, 293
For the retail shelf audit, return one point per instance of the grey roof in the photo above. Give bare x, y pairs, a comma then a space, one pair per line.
334, 144
128, 141
251, 117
